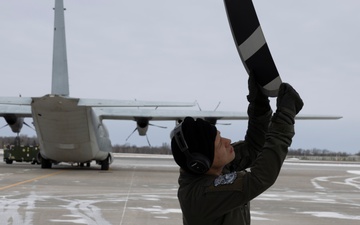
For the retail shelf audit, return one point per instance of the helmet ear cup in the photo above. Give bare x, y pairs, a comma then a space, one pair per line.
198, 163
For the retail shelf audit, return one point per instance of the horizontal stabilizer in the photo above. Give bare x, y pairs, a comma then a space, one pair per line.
19, 111
15, 100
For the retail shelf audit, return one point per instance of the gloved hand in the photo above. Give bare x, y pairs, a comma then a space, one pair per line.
288, 104
259, 103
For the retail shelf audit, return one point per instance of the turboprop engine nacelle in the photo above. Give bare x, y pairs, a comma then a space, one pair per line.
14, 122
142, 126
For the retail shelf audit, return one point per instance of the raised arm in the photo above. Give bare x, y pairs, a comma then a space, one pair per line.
267, 166
259, 112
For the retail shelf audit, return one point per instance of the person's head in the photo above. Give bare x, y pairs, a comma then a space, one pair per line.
196, 143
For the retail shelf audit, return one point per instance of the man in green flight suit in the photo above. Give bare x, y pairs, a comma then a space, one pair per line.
214, 186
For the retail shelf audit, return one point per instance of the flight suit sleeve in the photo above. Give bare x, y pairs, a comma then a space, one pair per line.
248, 150
267, 166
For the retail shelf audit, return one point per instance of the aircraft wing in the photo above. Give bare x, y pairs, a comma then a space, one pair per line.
152, 114
131, 103
120, 110
317, 117
18, 110
156, 114
102, 102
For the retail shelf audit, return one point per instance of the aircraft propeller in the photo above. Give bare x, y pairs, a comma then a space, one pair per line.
142, 125
15, 123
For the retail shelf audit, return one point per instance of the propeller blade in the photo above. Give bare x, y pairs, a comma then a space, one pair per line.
28, 126
223, 124
4, 126
131, 134
148, 140
157, 126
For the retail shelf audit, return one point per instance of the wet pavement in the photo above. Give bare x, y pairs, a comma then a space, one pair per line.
141, 189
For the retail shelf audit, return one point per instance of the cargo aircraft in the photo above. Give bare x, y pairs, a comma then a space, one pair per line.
71, 129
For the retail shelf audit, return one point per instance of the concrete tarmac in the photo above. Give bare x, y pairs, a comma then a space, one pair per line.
141, 189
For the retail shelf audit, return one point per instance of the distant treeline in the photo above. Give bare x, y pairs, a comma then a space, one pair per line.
165, 149
24, 140
317, 152
322, 154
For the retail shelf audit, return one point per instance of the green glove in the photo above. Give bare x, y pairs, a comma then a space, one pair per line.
288, 104
259, 103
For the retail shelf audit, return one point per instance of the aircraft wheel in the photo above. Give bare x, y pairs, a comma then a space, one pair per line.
8, 161
88, 164
38, 158
105, 164
46, 164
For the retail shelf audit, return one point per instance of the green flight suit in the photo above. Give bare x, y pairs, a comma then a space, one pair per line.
211, 200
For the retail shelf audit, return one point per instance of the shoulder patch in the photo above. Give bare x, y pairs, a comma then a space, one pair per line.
228, 178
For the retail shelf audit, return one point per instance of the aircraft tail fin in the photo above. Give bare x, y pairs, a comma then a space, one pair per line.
60, 77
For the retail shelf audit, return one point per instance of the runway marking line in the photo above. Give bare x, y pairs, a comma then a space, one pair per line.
127, 197
28, 181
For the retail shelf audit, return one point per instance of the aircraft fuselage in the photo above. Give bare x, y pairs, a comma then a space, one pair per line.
68, 132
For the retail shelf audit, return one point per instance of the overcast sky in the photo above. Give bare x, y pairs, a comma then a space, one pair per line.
184, 51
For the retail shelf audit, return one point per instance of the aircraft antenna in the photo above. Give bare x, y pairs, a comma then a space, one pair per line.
217, 106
